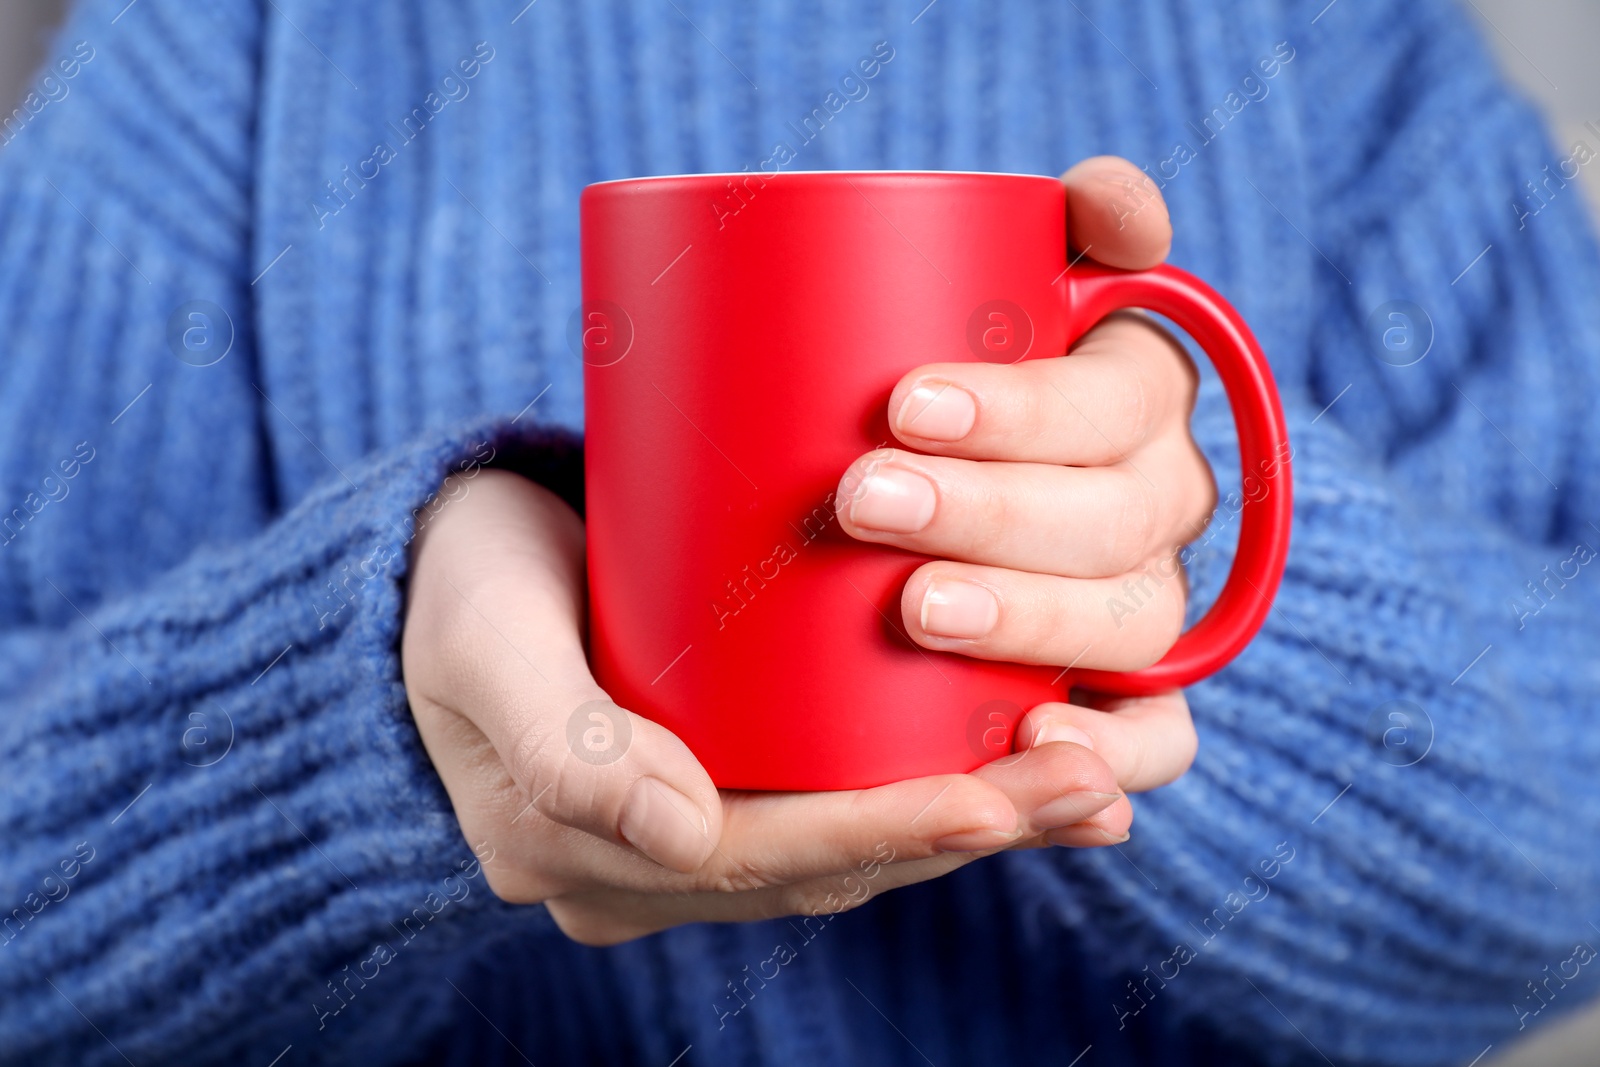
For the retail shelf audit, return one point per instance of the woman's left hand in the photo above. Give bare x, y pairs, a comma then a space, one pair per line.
1055, 495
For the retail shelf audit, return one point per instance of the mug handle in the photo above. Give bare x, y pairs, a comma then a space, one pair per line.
1091, 293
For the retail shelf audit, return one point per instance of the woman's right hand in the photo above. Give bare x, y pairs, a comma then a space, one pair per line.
626, 839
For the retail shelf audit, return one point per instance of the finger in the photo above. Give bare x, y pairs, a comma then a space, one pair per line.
1059, 786
1080, 522
772, 839
1111, 624
1147, 741
516, 670
1112, 826
612, 916
1115, 214
775, 839
1125, 382
1069, 788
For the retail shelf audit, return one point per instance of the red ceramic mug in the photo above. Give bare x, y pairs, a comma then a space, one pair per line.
742, 334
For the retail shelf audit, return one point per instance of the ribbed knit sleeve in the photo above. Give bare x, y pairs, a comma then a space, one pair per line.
215, 797
220, 827
1464, 321
1382, 854
216, 805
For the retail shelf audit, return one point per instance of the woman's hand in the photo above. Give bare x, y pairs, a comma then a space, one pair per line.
1041, 487
1056, 494
622, 847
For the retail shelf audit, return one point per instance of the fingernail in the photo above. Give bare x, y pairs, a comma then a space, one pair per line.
1071, 808
665, 825
959, 609
894, 500
976, 840
1083, 837
937, 411
1060, 731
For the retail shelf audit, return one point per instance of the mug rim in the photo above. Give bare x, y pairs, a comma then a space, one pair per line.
729, 175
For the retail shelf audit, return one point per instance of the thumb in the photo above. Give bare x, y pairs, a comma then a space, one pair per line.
495, 634
582, 760
1116, 215
614, 774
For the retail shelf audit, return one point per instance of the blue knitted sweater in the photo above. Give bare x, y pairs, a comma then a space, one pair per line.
222, 839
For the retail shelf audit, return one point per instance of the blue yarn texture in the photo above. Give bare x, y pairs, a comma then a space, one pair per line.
223, 841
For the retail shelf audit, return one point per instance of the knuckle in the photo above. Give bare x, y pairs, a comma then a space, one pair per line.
725, 881
525, 762
1050, 618
561, 785
1202, 475
1165, 377
730, 878
1160, 618
1178, 373
1142, 655
1032, 395
996, 513
1139, 404
569, 792
1135, 529
1169, 618
980, 509
1148, 611
1188, 383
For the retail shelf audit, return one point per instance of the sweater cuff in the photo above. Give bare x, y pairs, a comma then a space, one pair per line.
228, 766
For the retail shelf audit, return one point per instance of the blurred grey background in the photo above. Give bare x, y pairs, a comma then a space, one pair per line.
1547, 46
25, 27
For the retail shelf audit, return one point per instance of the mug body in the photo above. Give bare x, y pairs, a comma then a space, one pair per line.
742, 334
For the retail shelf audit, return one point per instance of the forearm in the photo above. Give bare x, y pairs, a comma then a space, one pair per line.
1324, 853
228, 759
